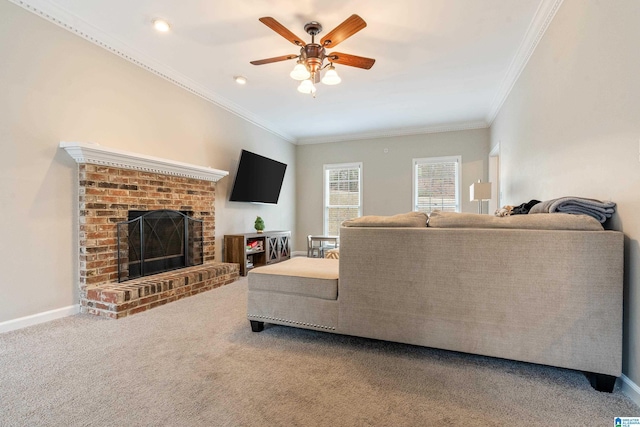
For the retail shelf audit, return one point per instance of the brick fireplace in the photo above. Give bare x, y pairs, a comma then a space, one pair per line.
110, 184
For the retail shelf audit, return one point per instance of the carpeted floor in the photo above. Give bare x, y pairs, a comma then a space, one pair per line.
195, 362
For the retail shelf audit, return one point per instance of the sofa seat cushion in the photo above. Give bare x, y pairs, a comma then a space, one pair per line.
552, 221
312, 277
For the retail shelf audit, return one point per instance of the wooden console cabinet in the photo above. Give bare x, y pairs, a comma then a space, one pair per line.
256, 249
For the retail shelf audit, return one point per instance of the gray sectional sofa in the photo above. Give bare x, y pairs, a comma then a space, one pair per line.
541, 288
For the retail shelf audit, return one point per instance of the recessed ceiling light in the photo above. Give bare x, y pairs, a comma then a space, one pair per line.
161, 25
241, 80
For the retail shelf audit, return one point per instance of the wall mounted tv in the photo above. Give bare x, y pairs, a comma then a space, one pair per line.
259, 179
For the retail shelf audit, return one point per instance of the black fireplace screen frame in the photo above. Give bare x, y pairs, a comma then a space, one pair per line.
142, 251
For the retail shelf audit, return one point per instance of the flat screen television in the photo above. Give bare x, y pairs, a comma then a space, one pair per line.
259, 179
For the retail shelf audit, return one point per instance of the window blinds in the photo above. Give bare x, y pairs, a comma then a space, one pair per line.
436, 184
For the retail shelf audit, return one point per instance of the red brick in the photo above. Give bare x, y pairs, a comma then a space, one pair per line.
93, 294
112, 296
149, 299
138, 309
128, 305
108, 270
94, 176
158, 303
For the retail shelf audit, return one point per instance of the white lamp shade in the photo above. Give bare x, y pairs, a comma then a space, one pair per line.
300, 72
480, 191
307, 87
331, 77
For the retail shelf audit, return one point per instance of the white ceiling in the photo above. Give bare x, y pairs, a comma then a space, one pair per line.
440, 64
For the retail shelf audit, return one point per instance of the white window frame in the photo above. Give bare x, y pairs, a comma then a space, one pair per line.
426, 160
325, 175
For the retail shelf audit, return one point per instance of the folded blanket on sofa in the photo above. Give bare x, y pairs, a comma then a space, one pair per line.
577, 205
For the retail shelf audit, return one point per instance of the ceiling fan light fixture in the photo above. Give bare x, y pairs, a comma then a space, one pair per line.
300, 72
310, 61
307, 87
331, 76
161, 25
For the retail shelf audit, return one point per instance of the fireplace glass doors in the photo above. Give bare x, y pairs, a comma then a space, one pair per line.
151, 242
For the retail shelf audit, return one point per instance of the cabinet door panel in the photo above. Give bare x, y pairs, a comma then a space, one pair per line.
284, 250
272, 249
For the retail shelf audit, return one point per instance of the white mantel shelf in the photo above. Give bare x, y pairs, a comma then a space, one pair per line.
86, 152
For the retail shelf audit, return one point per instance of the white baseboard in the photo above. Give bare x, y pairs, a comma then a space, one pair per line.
299, 253
631, 389
34, 319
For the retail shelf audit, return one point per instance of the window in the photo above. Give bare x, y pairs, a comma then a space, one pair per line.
342, 195
436, 184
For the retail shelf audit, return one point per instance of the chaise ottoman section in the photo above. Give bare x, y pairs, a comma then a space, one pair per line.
297, 292
298, 276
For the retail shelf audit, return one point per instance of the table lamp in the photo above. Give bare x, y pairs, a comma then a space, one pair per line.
480, 191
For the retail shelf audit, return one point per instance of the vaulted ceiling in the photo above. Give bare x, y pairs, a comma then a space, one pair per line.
440, 64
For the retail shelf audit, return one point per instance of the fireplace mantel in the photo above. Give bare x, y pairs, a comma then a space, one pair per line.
83, 152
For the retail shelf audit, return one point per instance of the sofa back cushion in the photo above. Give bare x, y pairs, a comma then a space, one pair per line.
409, 219
553, 221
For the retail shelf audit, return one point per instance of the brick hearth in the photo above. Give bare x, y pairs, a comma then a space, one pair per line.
106, 194
116, 300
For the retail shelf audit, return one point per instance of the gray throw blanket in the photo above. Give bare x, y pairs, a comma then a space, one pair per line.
577, 205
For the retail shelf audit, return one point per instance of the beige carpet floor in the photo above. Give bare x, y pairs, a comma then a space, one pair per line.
195, 362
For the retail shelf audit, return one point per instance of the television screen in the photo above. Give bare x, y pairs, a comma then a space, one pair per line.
258, 179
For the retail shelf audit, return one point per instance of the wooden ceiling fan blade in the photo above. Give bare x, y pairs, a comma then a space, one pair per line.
349, 27
282, 30
275, 59
351, 60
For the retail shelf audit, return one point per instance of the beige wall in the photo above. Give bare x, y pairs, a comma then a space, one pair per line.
386, 176
55, 86
571, 126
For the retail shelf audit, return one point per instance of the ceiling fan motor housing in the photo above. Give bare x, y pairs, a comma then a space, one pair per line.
312, 56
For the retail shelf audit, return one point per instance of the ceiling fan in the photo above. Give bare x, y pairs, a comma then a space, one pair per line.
312, 55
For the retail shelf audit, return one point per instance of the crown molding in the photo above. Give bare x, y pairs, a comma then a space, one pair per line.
83, 152
390, 133
538, 26
52, 12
